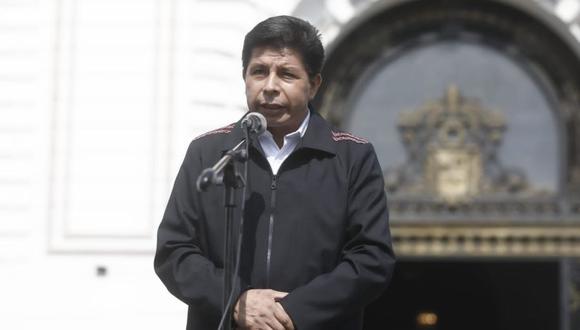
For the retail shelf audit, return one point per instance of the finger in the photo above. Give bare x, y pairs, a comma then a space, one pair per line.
239, 314
274, 324
283, 317
279, 294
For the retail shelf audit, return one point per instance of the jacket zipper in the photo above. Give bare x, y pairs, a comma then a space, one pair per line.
273, 187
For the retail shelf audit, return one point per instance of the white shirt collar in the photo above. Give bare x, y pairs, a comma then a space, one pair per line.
276, 155
304, 125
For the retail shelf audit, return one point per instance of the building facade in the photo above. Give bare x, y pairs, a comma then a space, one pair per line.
473, 108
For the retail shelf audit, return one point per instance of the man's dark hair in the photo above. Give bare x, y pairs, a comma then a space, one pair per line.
281, 32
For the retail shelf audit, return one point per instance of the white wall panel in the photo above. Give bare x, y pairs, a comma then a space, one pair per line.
108, 136
23, 79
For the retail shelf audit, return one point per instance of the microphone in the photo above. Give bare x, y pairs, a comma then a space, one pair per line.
255, 123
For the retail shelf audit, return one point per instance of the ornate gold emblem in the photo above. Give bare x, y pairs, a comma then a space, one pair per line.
454, 173
452, 145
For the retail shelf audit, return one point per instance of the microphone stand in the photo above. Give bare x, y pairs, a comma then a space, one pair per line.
225, 172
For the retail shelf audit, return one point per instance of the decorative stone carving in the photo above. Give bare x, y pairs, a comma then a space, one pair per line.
452, 158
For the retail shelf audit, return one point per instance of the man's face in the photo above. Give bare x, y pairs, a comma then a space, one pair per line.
278, 86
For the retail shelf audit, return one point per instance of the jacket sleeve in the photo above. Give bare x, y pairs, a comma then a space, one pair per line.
179, 261
367, 261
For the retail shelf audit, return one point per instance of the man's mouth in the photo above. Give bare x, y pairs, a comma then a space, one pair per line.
271, 106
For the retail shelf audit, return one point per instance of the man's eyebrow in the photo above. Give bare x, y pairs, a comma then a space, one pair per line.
280, 65
256, 62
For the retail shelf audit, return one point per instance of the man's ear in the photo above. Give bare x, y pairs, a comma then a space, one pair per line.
315, 84
243, 74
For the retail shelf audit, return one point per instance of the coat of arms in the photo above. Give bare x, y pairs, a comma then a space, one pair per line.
451, 149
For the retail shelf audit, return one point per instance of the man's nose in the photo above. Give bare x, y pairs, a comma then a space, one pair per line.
272, 85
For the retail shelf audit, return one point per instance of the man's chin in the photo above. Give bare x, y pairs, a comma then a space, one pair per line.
273, 117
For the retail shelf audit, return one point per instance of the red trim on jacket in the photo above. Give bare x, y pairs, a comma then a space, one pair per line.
222, 130
343, 136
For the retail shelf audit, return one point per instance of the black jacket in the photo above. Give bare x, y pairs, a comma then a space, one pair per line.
318, 230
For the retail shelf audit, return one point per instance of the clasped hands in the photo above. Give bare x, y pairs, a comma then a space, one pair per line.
257, 309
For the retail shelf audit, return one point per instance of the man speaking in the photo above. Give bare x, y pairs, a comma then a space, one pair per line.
316, 244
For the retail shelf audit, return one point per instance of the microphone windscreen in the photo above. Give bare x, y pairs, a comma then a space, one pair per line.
255, 122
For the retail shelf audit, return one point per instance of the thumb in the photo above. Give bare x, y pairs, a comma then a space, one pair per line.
279, 294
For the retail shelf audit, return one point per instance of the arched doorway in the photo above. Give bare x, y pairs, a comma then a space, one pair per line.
474, 110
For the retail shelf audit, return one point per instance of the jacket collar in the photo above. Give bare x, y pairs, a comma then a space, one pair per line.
318, 136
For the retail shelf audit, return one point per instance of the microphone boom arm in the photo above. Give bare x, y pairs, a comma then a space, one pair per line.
214, 175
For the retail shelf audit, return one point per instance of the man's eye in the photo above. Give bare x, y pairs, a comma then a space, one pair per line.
258, 71
288, 74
